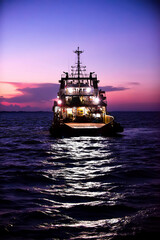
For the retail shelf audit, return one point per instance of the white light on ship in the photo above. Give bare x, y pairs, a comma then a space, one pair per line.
59, 101
70, 90
96, 100
98, 115
69, 110
88, 90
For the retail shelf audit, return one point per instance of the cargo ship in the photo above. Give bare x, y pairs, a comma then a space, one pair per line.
81, 107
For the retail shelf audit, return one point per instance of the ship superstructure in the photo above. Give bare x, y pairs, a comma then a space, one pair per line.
80, 107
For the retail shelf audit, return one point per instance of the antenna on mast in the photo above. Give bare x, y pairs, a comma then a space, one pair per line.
78, 52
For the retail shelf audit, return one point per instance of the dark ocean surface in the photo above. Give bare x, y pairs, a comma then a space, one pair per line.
79, 187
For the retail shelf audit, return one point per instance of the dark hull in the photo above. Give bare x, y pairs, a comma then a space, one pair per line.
65, 131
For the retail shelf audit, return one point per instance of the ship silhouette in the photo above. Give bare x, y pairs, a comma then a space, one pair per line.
81, 107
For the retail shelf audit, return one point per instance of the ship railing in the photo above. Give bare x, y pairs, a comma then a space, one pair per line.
82, 104
75, 76
79, 92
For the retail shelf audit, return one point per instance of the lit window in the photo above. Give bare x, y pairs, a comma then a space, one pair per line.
59, 101
88, 90
96, 100
70, 90
69, 110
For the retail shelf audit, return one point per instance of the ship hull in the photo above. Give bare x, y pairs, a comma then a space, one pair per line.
85, 129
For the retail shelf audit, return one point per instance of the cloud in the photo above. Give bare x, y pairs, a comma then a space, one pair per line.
111, 88
134, 83
44, 92
15, 107
40, 93
36, 97
2, 99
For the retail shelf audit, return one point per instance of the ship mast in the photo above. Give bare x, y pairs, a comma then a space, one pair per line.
78, 52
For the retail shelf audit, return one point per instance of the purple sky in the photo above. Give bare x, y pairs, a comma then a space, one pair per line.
120, 38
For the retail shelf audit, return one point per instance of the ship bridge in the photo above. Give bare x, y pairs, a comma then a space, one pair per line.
78, 97
78, 77
80, 106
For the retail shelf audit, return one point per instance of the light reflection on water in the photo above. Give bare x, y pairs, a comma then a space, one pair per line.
82, 187
91, 190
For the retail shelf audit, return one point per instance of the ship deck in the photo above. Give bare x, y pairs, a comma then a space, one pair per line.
85, 125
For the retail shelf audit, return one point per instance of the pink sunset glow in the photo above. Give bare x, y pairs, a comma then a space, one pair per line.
121, 44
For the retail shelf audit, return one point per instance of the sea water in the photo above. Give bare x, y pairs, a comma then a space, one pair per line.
79, 187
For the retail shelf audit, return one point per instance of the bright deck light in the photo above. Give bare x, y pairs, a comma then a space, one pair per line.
96, 100
70, 90
69, 110
88, 90
98, 115
59, 101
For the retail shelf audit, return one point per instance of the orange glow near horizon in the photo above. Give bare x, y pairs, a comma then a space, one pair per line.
8, 90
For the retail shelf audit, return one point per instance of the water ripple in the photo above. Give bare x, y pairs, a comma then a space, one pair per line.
79, 187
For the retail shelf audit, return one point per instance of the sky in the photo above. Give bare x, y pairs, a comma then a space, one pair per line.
120, 39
